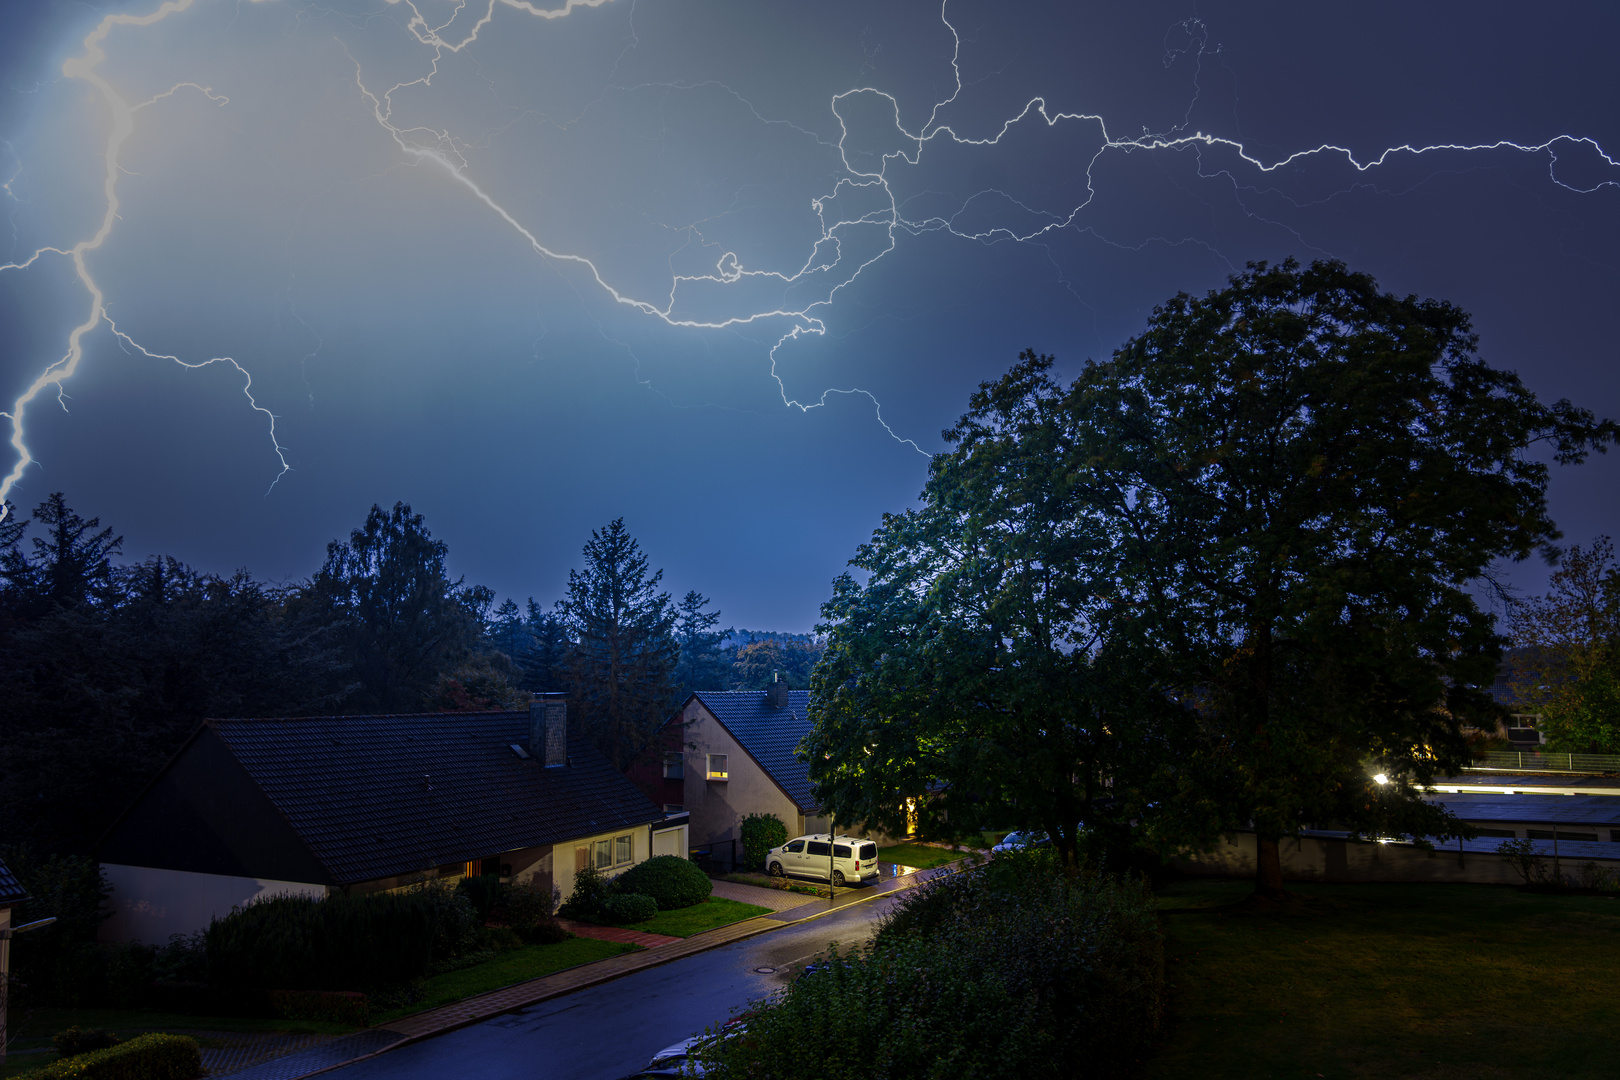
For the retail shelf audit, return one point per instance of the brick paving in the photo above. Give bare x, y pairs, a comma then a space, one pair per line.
775, 899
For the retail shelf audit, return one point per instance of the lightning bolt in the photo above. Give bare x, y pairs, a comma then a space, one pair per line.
826, 269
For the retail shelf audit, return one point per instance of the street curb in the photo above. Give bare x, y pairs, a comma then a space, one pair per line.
759, 924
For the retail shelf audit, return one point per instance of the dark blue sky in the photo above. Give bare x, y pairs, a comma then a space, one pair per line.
533, 274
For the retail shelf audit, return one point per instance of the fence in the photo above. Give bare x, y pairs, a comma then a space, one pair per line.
1534, 761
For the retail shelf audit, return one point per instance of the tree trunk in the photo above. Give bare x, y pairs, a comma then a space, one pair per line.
1268, 867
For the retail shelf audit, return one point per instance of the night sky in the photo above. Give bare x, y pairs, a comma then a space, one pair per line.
726, 269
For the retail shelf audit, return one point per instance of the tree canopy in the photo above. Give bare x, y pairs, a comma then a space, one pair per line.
1567, 652
1271, 504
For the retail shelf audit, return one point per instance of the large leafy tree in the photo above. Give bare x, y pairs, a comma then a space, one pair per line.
621, 670
982, 660
400, 621
1308, 475
1567, 652
1271, 506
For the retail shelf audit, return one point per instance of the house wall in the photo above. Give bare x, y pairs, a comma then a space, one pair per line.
150, 904
718, 806
565, 856
1316, 858
671, 841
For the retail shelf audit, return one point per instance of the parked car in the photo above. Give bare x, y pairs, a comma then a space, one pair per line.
1018, 840
844, 858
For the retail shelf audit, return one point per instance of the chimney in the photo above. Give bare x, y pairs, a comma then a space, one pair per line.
548, 729
777, 695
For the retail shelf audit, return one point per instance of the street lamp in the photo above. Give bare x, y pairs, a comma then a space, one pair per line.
1380, 779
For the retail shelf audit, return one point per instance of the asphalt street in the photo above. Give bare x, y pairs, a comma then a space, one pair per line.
610, 1031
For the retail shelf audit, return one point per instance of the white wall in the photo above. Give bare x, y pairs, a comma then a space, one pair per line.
149, 905
563, 858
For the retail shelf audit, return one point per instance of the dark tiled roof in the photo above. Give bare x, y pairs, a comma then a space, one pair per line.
376, 796
771, 735
11, 890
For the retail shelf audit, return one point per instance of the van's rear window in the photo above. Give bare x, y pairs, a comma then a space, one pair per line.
868, 853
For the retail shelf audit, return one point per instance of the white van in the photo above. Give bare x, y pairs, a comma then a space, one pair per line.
848, 859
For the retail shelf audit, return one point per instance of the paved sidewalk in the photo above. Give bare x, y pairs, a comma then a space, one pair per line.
617, 933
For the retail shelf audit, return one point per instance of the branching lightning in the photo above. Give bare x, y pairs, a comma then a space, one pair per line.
826, 270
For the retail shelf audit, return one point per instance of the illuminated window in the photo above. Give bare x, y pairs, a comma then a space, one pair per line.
674, 766
717, 767
623, 850
604, 854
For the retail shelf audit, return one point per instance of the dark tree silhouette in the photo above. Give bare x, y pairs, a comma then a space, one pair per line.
620, 671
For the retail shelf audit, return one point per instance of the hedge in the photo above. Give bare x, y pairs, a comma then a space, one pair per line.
145, 1057
336, 1006
669, 879
339, 943
1019, 974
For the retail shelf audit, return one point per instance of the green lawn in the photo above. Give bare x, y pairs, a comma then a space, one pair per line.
920, 856
519, 965
1386, 981
714, 911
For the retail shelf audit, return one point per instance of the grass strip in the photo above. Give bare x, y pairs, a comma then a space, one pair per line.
715, 911
519, 965
1386, 981
918, 856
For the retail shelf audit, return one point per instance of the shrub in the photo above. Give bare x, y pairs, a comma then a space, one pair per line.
523, 904
61, 964
145, 1057
498, 939
760, 833
340, 943
75, 1041
1023, 974
481, 892
669, 879
547, 931
335, 1006
455, 920
591, 889
629, 907
1521, 855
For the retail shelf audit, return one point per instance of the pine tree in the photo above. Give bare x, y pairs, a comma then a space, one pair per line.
621, 670
702, 666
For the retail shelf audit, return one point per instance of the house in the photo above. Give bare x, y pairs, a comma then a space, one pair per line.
727, 754
317, 805
11, 895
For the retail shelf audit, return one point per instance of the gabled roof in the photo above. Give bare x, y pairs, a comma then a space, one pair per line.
770, 734
377, 796
11, 890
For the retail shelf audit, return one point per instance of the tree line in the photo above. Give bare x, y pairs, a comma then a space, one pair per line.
1227, 579
107, 666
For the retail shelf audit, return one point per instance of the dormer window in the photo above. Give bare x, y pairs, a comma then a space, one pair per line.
717, 767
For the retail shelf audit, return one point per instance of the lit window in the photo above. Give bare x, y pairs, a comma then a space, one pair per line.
674, 766
717, 767
623, 850
604, 854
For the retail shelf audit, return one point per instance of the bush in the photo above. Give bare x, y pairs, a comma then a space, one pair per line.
145, 1057
455, 920
760, 833
61, 964
1021, 973
591, 890
669, 879
629, 907
340, 943
523, 904
75, 1041
548, 931
481, 892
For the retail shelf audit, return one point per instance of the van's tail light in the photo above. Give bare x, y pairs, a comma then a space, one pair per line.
857, 864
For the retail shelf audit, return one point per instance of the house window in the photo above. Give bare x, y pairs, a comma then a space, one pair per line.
582, 858
624, 850
717, 767
604, 854
674, 766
